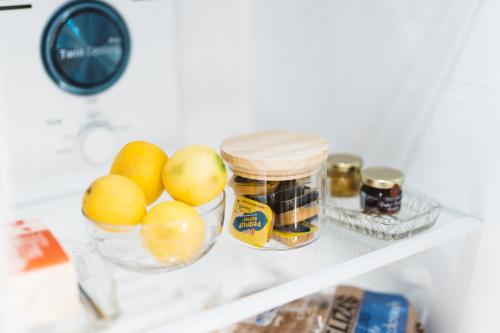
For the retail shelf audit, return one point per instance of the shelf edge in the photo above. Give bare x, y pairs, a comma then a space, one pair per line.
243, 308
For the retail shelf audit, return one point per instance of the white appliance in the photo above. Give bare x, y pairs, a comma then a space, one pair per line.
402, 83
78, 79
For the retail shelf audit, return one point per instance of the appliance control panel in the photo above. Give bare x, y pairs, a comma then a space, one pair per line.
78, 80
97, 142
95, 138
85, 47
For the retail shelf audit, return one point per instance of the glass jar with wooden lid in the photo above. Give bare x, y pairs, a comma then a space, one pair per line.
279, 186
344, 174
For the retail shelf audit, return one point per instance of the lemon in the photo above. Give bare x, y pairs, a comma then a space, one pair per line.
114, 200
173, 232
195, 175
142, 162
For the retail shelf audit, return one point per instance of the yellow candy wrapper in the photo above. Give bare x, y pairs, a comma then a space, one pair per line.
251, 222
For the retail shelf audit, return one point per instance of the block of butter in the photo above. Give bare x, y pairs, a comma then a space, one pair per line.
42, 286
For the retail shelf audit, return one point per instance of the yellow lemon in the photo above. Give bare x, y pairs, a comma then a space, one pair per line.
173, 232
142, 162
195, 175
114, 200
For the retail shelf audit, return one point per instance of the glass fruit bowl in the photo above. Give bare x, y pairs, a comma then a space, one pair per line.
159, 247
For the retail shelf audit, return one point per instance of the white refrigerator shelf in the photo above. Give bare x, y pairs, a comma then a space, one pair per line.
207, 295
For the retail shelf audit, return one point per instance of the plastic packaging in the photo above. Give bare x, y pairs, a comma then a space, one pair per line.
357, 310
350, 310
41, 281
306, 315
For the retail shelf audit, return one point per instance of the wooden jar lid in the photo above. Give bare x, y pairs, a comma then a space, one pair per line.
274, 155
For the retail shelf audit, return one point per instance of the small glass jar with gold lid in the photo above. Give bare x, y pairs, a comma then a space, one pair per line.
381, 192
344, 173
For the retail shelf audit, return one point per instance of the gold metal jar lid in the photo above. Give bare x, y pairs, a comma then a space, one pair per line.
344, 163
382, 178
274, 155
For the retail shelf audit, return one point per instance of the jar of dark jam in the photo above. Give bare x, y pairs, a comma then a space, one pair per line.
381, 192
344, 174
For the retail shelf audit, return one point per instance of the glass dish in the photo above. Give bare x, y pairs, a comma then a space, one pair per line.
418, 213
124, 246
96, 284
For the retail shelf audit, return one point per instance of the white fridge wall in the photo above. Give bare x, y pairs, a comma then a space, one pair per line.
384, 79
215, 89
378, 78
480, 311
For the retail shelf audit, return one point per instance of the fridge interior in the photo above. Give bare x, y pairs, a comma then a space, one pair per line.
400, 83
409, 85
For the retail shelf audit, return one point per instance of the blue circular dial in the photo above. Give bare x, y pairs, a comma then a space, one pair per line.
85, 47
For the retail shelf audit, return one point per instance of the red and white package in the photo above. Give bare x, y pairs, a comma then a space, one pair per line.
42, 286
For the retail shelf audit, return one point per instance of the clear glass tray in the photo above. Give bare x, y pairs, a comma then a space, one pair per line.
418, 213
